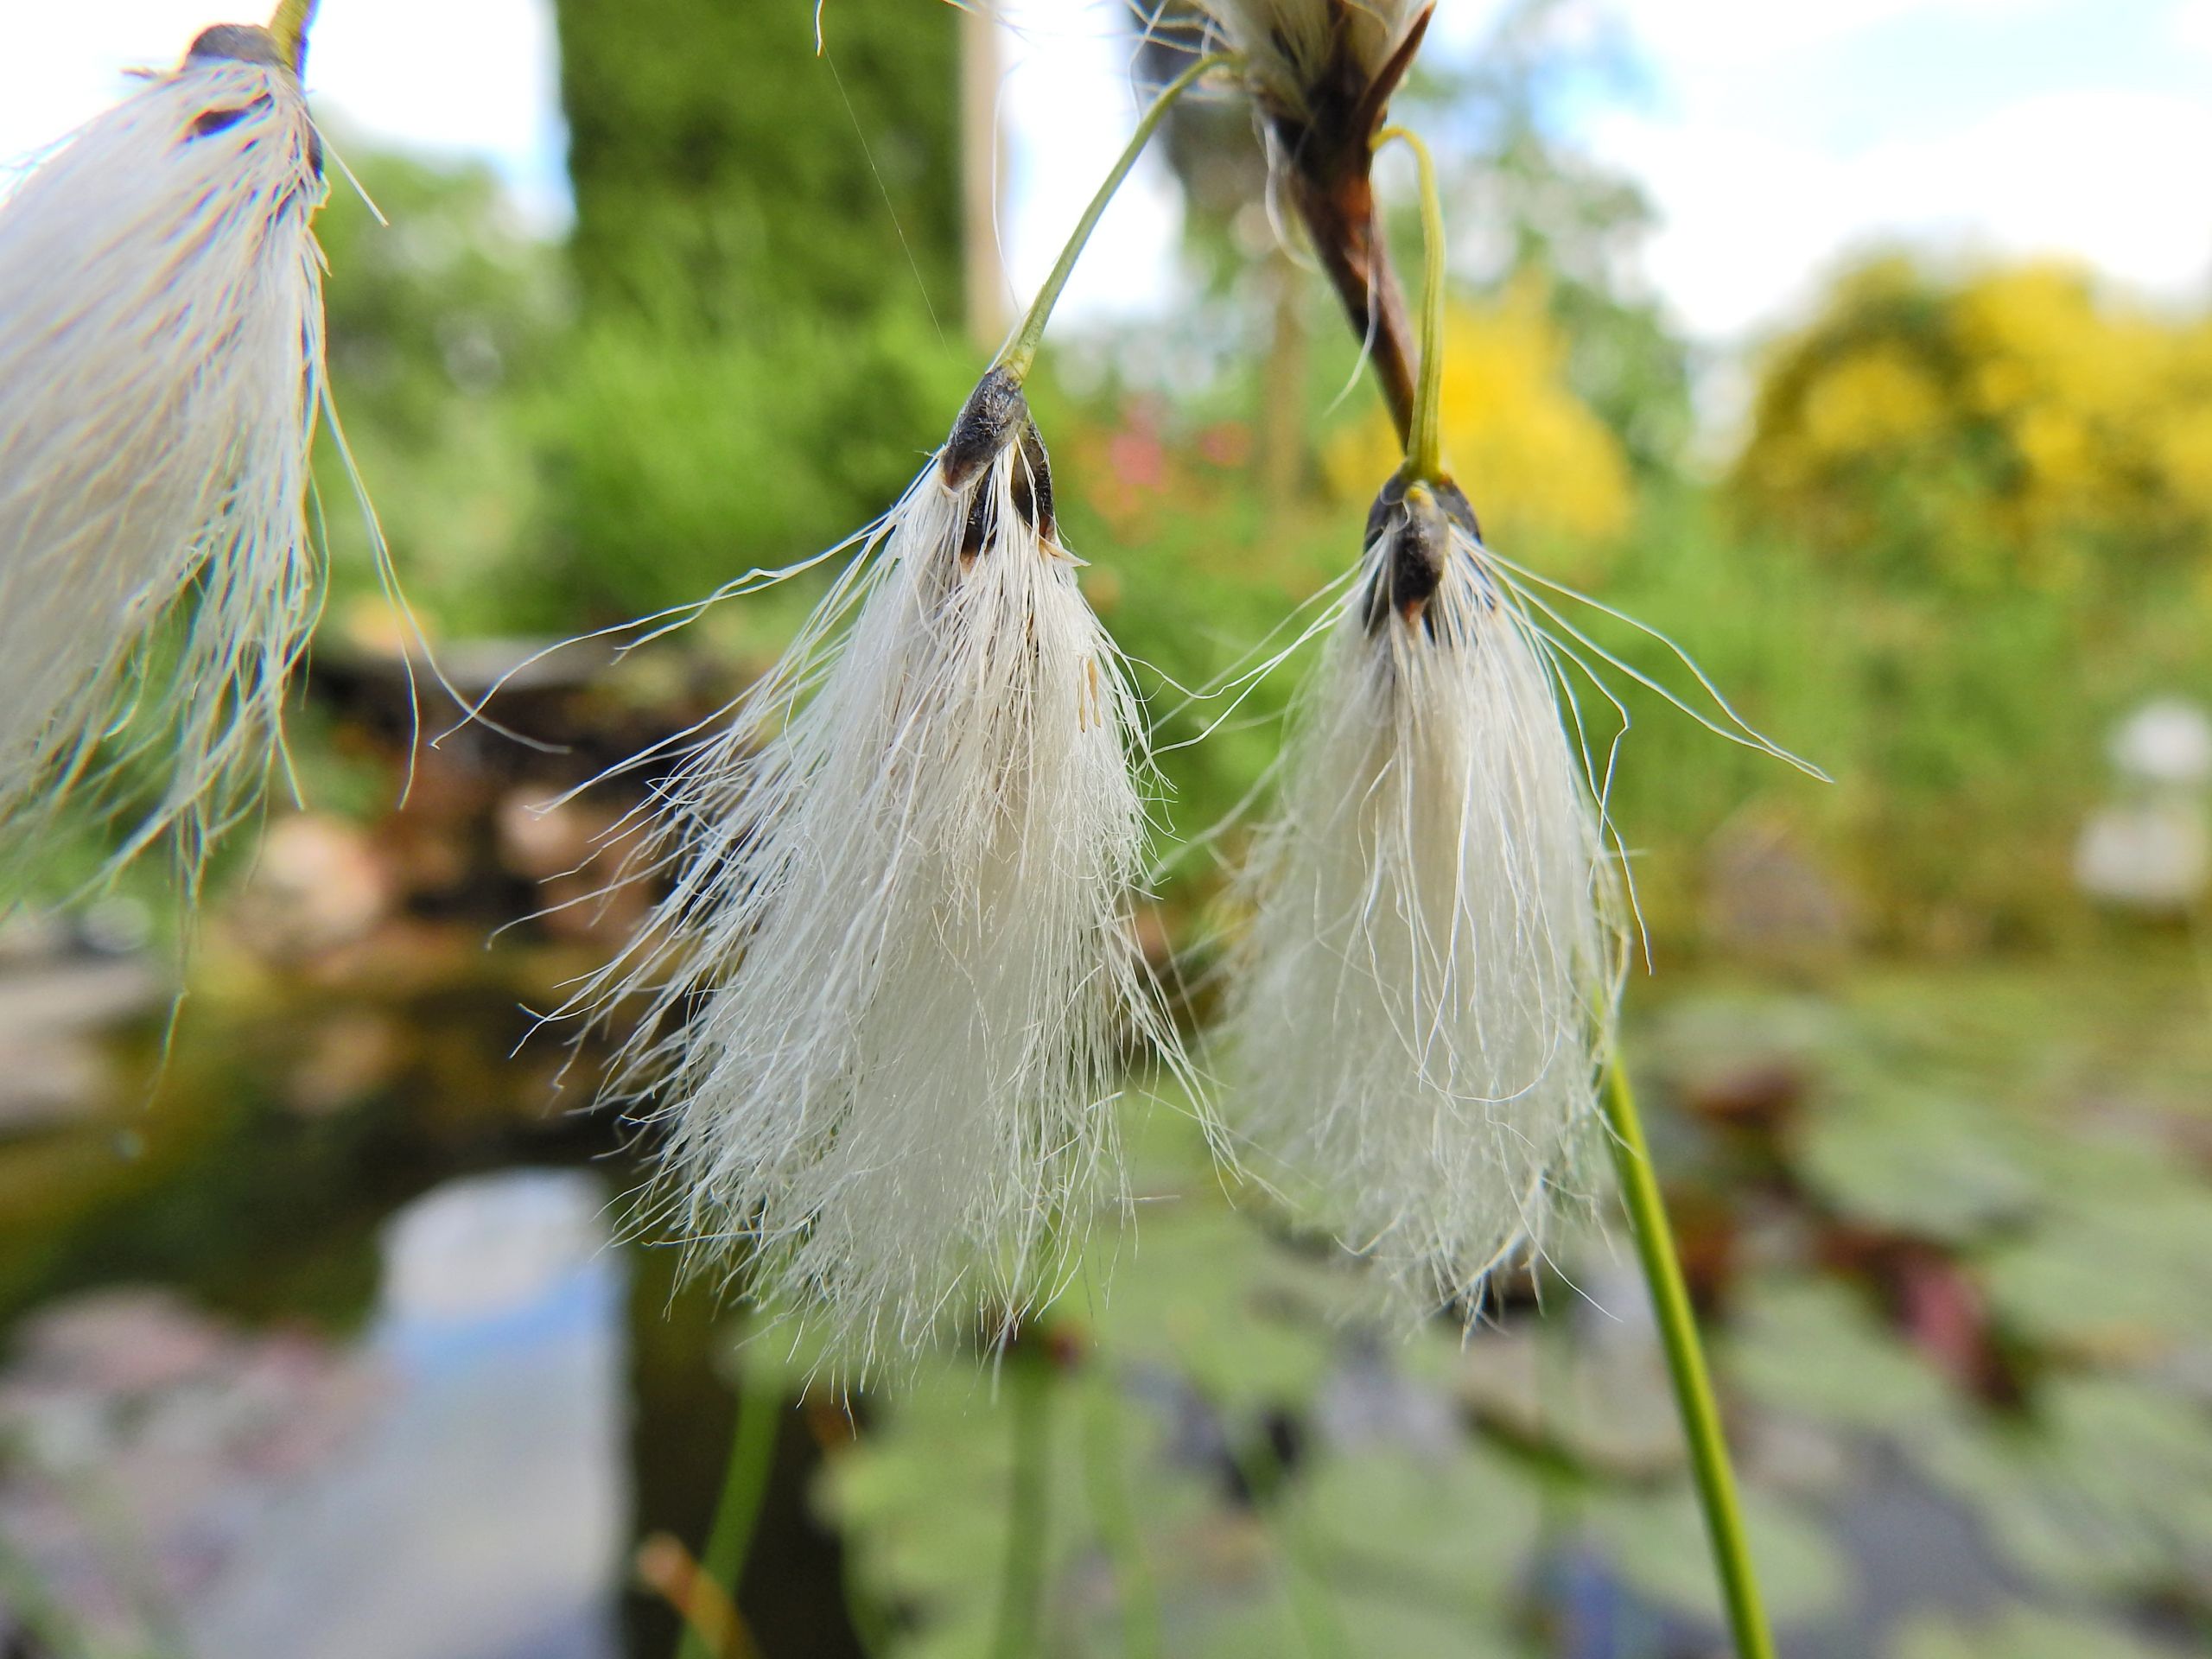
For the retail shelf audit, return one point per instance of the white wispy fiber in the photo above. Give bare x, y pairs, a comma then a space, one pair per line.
161, 363
892, 993
1301, 54
1425, 996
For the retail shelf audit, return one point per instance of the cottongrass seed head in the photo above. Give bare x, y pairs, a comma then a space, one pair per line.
161, 363
1305, 58
892, 993
1425, 996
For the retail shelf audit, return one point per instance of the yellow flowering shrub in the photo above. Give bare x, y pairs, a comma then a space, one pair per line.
2016, 425
1535, 461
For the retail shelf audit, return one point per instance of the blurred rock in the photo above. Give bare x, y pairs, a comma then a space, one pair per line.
349, 1057
485, 1514
477, 1247
2151, 856
149, 1448
319, 883
542, 836
2150, 849
54, 1010
2167, 743
573, 851
451, 1488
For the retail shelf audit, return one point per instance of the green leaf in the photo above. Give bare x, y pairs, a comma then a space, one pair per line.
2023, 1633
2107, 1489
1658, 1543
2118, 1272
1816, 1351
1458, 1526
1922, 1163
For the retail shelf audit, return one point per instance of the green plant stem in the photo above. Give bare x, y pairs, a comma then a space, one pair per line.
1686, 1367
1021, 1586
1116, 1520
1020, 357
1425, 437
289, 27
737, 1513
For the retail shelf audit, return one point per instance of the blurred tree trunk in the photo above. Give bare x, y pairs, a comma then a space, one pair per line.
768, 253
983, 179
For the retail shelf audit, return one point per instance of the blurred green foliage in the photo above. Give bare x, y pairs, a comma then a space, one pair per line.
726, 177
767, 257
1546, 210
443, 312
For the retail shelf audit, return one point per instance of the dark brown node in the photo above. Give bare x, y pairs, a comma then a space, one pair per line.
1416, 523
1031, 488
240, 43
213, 121
994, 411
245, 43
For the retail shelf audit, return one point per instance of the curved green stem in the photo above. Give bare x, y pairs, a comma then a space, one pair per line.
1022, 1586
1425, 440
1693, 1401
737, 1514
1020, 357
289, 27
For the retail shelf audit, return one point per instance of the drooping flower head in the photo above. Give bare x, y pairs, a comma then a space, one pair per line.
161, 371
892, 989
1311, 62
1322, 73
1427, 985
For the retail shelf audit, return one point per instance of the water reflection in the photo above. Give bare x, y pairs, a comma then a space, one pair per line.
451, 1486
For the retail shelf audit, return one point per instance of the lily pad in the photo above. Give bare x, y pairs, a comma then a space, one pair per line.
1932, 1165
2119, 1272
1815, 1350
2021, 1634
1458, 1528
1658, 1543
1204, 1291
2108, 1491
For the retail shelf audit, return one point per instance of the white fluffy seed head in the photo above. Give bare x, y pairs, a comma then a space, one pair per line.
892, 993
1427, 990
161, 362
1301, 54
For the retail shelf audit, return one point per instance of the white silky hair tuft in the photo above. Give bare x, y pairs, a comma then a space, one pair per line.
892, 993
1294, 48
160, 372
1426, 995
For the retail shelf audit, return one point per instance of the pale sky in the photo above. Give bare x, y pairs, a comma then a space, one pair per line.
1774, 138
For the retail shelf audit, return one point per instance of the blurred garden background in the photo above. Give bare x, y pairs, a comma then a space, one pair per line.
323, 1330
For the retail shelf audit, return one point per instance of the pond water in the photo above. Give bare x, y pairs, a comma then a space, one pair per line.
333, 1344
323, 1336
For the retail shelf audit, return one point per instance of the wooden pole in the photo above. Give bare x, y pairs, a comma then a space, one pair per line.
982, 178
